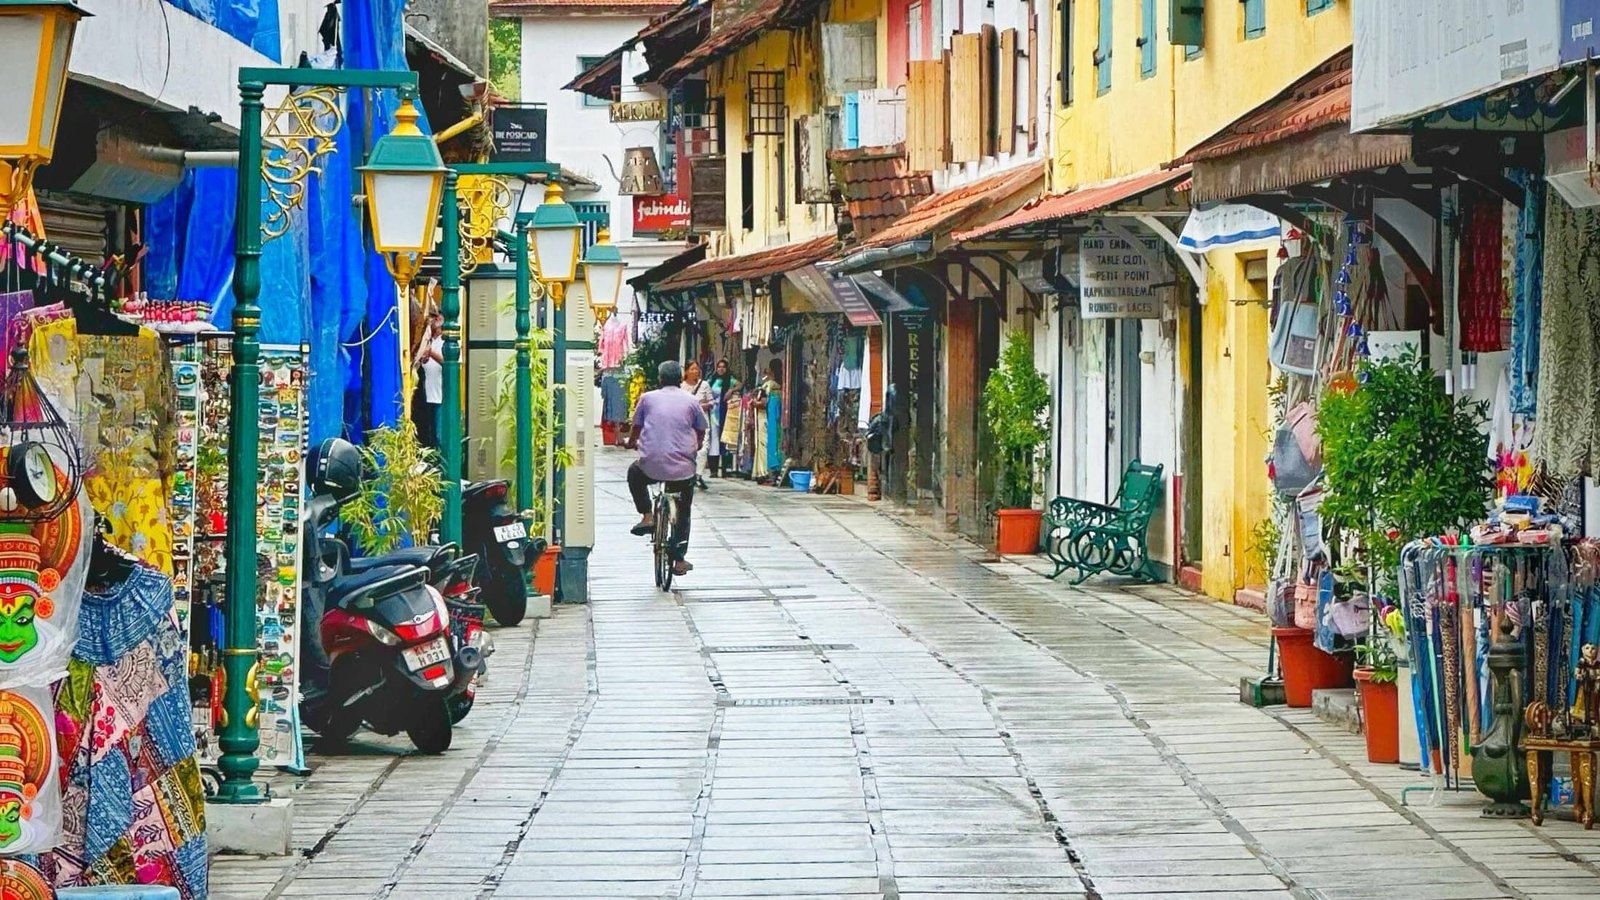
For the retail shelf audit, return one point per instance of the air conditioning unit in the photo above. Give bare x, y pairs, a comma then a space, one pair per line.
1566, 167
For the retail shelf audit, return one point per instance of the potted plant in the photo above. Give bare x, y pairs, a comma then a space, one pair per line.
401, 500
1401, 460
1016, 405
1376, 671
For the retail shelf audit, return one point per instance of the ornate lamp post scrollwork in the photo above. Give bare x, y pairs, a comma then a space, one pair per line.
485, 201
297, 135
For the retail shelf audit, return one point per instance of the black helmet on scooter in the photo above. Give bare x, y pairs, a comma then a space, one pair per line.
334, 470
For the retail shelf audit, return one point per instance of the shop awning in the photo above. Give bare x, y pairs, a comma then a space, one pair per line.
1298, 137
724, 40
667, 268
1072, 204
751, 266
927, 227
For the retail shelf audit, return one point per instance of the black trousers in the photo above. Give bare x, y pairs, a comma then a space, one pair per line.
639, 486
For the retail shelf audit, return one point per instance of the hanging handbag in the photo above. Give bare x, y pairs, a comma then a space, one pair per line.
1292, 345
1296, 450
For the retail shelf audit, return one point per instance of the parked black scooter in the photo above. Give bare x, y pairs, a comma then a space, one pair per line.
375, 635
491, 529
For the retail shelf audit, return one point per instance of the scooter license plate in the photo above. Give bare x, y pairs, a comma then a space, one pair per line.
430, 654
516, 531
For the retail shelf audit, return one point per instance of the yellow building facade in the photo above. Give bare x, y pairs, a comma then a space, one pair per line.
775, 216
1130, 101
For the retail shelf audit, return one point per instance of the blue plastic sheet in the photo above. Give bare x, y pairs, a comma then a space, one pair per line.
253, 23
374, 38
190, 237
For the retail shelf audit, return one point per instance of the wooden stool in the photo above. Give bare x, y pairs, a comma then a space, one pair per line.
1584, 756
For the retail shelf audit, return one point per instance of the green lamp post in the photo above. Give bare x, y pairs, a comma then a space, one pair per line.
402, 191
557, 237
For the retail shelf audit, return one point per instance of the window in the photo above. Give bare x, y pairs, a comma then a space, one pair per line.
1102, 51
747, 190
1255, 18
1068, 10
1147, 38
765, 104
585, 63
782, 196
915, 48
1315, 6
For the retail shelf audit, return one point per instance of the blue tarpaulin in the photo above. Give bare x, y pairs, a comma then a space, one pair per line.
253, 23
190, 238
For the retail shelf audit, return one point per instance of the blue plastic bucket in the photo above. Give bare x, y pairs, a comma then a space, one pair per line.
801, 480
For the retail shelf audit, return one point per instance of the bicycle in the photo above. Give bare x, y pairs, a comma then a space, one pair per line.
665, 513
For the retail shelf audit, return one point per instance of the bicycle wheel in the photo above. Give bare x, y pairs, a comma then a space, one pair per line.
666, 514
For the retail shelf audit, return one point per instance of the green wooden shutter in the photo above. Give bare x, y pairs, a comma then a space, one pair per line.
1255, 18
1187, 27
1102, 53
1315, 6
1147, 38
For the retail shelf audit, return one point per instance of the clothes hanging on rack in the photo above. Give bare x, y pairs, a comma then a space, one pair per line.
1569, 341
614, 343
1482, 303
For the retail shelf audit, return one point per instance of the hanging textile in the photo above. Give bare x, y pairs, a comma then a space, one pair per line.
119, 391
1568, 340
1482, 301
134, 806
1528, 282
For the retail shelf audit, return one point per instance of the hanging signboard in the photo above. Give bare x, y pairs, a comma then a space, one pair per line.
1578, 39
857, 308
519, 134
657, 215
638, 110
1416, 57
1116, 280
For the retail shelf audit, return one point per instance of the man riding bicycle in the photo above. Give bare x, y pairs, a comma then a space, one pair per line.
668, 429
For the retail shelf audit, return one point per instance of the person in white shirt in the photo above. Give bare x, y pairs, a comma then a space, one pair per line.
430, 359
701, 389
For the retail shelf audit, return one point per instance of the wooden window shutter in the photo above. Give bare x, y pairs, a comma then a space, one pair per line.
849, 57
927, 115
966, 98
811, 139
708, 193
989, 74
1006, 96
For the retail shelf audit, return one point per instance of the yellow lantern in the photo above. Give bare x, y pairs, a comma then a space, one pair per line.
36, 38
403, 177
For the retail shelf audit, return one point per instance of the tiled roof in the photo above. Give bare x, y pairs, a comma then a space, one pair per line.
1077, 203
598, 80
953, 209
506, 9
1318, 100
727, 38
878, 186
668, 267
758, 264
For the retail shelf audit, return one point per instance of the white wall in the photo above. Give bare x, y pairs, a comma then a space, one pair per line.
156, 54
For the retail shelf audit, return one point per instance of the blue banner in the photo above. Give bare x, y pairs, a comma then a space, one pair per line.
1578, 41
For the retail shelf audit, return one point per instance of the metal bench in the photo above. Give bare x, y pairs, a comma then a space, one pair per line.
1092, 537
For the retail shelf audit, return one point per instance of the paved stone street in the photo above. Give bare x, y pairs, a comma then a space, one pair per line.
838, 702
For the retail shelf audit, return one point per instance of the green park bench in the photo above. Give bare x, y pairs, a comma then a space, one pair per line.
1092, 537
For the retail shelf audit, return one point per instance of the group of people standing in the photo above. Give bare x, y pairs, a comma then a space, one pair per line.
721, 400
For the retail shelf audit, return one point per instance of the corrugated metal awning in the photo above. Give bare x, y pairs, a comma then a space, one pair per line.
1302, 160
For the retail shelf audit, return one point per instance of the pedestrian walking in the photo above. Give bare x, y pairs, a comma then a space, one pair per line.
701, 390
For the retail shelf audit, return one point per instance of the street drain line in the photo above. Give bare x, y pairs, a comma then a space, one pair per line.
872, 801
702, 805
574, 732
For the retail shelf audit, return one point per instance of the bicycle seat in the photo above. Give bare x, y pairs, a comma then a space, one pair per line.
352, 590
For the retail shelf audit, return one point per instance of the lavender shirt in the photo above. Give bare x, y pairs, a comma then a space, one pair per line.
670, 425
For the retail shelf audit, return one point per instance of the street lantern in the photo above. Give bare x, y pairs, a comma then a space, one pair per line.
404, 177
602, 275
557, 235
36, 39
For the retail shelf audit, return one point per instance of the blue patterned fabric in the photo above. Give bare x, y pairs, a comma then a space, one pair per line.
1528, 287
167, 726
192, 863
110, 805
113, 623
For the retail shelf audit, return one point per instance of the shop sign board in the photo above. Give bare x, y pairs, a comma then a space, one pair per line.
1416, 57
857, 308
1578, 39
519, 134
638, 110
661, 214
1116, 280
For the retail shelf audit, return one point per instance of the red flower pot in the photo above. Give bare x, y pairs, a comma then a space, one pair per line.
1017, 531
1307, 669
544, 571
1380, 717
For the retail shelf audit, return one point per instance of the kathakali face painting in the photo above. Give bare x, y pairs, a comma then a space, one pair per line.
20, 881
24, 765
22, 599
